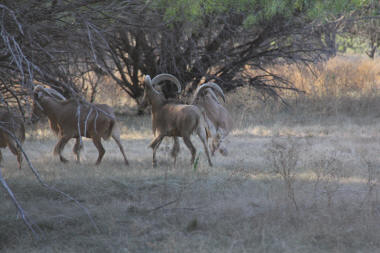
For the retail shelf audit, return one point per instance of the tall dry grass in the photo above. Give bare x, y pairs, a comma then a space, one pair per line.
345, 87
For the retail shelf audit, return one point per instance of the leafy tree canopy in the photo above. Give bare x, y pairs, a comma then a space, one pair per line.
59, 42
256, 10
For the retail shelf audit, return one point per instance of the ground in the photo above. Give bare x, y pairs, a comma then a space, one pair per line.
289, 184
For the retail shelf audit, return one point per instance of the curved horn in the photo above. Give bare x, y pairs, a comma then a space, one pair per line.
49, 91
55, 93
167, 77
38, 88
217, 89
148, 82
212, 85
213, 95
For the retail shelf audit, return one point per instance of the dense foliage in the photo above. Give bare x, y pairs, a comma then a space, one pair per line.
59, 43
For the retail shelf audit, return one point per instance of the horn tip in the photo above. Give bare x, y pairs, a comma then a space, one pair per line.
37, 88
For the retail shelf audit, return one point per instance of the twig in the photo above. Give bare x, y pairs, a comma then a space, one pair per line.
86, 120
164, 205
78, 121
37, 175
18, 206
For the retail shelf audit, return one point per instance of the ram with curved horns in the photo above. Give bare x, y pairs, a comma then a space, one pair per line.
217, 114
70, 118
172, 119
11, 128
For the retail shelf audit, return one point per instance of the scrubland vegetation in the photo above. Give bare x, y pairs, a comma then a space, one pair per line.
301, 177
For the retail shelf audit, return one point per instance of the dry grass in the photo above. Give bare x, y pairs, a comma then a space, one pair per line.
298, 180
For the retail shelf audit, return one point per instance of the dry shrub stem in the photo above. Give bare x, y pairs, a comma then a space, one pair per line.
328, 173
284, 159
371, 183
